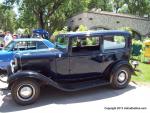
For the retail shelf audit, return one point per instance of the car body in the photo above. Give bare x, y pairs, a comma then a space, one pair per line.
20, 46
80, 60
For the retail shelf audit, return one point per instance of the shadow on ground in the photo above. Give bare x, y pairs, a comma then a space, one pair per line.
51, 95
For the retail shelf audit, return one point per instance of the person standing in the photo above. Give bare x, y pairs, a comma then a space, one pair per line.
8, 38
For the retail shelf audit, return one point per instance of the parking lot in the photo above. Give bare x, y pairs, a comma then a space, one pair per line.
101, 99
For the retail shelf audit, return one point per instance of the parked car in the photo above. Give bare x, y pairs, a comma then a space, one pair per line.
20, 46
80, 60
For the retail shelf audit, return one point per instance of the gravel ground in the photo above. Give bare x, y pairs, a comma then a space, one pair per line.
102, 99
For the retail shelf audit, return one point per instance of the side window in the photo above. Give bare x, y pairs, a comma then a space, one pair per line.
113, 42
20, 46
40, 45
31, 45
62, 43
85, 45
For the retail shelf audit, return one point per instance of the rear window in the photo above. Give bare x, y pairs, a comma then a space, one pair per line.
113, 42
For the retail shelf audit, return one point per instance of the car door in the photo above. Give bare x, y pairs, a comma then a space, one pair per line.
85, 59
114, 49
62, 57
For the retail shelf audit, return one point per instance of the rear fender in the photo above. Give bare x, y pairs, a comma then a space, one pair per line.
116, 65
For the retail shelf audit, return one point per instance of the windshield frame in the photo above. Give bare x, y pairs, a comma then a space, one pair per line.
7, 48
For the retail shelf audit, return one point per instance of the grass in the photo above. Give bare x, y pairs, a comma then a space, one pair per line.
145, 78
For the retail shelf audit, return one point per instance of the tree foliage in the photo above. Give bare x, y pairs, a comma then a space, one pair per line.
138, 7
104, 5
52, 14
7, 19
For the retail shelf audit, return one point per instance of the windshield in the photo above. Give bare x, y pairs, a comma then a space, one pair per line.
61, 42
9, 46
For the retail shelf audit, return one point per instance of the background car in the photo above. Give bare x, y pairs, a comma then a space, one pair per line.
21, 45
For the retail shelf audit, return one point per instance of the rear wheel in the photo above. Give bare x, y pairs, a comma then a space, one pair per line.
25, 92
120, 78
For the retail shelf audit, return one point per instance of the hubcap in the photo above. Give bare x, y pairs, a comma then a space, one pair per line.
26, 92
122, 76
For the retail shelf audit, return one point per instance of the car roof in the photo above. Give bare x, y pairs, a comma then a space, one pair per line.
29, 39
97, 33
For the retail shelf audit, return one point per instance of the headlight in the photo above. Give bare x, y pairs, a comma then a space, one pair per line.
135, 63
13, 64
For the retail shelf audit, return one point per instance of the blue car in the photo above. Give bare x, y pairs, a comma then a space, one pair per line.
21, 45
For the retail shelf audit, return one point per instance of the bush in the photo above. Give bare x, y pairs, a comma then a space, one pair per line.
137, 47
82, 28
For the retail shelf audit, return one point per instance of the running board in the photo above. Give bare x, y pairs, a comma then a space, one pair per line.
75, 86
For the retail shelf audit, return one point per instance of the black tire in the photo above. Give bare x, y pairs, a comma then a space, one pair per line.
18, 86
115, 79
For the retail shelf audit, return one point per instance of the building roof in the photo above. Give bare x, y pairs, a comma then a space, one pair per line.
118, 14
115, 14
97, 33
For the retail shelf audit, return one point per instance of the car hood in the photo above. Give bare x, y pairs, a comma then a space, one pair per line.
2, 52
5, 58
5, 54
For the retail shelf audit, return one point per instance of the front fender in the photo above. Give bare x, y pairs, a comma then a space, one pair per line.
35, 76
30, 75
24, 74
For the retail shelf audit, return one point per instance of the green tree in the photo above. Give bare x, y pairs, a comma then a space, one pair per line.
138, 7
42, 9
104, 5
54, 12
117, 4
7, 19
65, 11
26, 20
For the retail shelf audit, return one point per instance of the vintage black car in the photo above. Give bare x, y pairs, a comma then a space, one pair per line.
80, 60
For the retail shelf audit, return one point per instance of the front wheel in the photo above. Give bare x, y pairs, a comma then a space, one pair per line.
120, 78
25, 92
